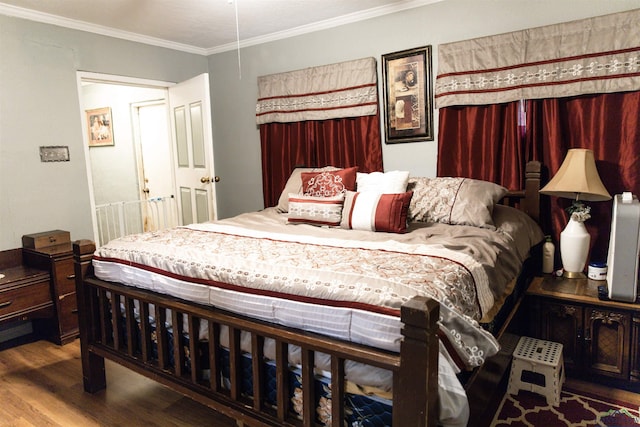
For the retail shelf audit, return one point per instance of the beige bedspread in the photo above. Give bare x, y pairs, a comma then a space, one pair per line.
464, 268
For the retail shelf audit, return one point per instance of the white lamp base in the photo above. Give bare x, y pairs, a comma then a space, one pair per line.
574, 248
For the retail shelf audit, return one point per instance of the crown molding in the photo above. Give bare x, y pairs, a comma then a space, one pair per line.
47, 18
323, 25
59, 21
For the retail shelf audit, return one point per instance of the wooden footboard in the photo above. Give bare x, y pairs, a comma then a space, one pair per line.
108, 329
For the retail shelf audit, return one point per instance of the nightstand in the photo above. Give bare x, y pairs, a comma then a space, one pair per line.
600, 338
58, 260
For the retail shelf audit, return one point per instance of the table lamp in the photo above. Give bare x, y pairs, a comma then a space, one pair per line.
577, 179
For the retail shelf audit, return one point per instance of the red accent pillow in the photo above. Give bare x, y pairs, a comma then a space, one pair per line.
376, 212
329, 183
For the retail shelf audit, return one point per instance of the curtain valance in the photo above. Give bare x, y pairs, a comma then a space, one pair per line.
595, 55
346, 89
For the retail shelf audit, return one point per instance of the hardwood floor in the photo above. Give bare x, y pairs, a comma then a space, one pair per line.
41, 385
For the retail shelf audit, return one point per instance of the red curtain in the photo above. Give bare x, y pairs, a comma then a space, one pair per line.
483, 142
344, 142
609, 125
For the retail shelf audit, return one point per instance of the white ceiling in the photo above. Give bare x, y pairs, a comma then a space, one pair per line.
202, 26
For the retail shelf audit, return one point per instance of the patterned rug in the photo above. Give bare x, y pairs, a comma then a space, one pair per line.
530, 409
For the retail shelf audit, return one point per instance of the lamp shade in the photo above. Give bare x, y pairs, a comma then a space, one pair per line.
577, 178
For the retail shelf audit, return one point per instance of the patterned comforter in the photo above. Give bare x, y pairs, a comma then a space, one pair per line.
355, 281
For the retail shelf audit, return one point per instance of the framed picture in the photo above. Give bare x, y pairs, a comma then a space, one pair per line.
408, 98
100, 127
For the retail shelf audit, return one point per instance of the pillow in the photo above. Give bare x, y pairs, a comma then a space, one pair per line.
329, 183
382, 183
315, 210
456, 201
376, 212
294, 185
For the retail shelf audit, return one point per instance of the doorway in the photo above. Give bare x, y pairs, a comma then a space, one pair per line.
130, 177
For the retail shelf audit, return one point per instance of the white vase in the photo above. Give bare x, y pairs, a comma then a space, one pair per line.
574, 248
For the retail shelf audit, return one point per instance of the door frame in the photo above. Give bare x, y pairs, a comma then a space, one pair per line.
87, 76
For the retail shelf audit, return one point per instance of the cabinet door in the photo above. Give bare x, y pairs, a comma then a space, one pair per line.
635, 347
607, 338
563, 323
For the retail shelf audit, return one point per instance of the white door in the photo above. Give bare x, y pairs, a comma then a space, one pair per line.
155, 151
155, 168
193, 160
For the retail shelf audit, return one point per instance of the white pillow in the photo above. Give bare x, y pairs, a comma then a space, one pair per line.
382, 183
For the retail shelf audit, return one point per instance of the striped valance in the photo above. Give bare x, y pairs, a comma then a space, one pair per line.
346, 89
595, 55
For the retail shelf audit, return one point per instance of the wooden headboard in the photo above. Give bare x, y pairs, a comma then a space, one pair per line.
528, 199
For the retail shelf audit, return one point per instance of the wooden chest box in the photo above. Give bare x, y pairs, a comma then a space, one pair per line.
45, 239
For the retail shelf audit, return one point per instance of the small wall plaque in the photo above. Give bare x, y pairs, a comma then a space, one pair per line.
54, 153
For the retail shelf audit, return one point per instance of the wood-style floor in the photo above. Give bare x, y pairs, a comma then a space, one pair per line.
41, 385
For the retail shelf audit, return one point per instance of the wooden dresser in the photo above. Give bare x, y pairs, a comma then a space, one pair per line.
39, 286
25, 290
58, 261
52, 251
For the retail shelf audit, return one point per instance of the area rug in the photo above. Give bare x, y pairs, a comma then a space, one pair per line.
531, 409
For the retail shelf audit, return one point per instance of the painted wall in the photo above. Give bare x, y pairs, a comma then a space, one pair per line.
39, 97
114, 168
39, 106
236, 137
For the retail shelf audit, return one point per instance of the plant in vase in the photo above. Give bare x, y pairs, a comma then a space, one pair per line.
578, 211
575, 239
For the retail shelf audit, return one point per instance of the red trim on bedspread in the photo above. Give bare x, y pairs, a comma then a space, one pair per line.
242, 289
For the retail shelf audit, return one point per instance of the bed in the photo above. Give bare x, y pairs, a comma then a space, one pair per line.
349, 307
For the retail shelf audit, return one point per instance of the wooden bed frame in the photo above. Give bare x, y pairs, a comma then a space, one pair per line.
107, 331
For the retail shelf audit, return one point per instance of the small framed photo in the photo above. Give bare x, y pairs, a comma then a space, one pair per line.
100, 127
408, 97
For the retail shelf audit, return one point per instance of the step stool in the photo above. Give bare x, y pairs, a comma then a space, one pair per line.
538, 367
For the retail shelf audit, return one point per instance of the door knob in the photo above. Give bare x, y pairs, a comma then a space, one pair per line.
205, 179
216, 178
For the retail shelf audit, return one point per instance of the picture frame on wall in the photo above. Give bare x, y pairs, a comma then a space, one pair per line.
99, 127
408, 96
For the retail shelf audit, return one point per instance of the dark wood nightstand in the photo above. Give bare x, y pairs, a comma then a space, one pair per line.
600, 338
58, 260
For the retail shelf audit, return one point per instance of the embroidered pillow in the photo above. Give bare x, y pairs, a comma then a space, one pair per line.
382, 183
329, 183
376, 212
322, 211
294, 185
456, 201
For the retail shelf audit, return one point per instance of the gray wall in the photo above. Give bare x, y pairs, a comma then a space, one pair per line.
39, 99
236, 138
39, 106
113, 168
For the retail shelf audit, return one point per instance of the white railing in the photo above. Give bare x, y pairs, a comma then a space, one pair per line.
137, 216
